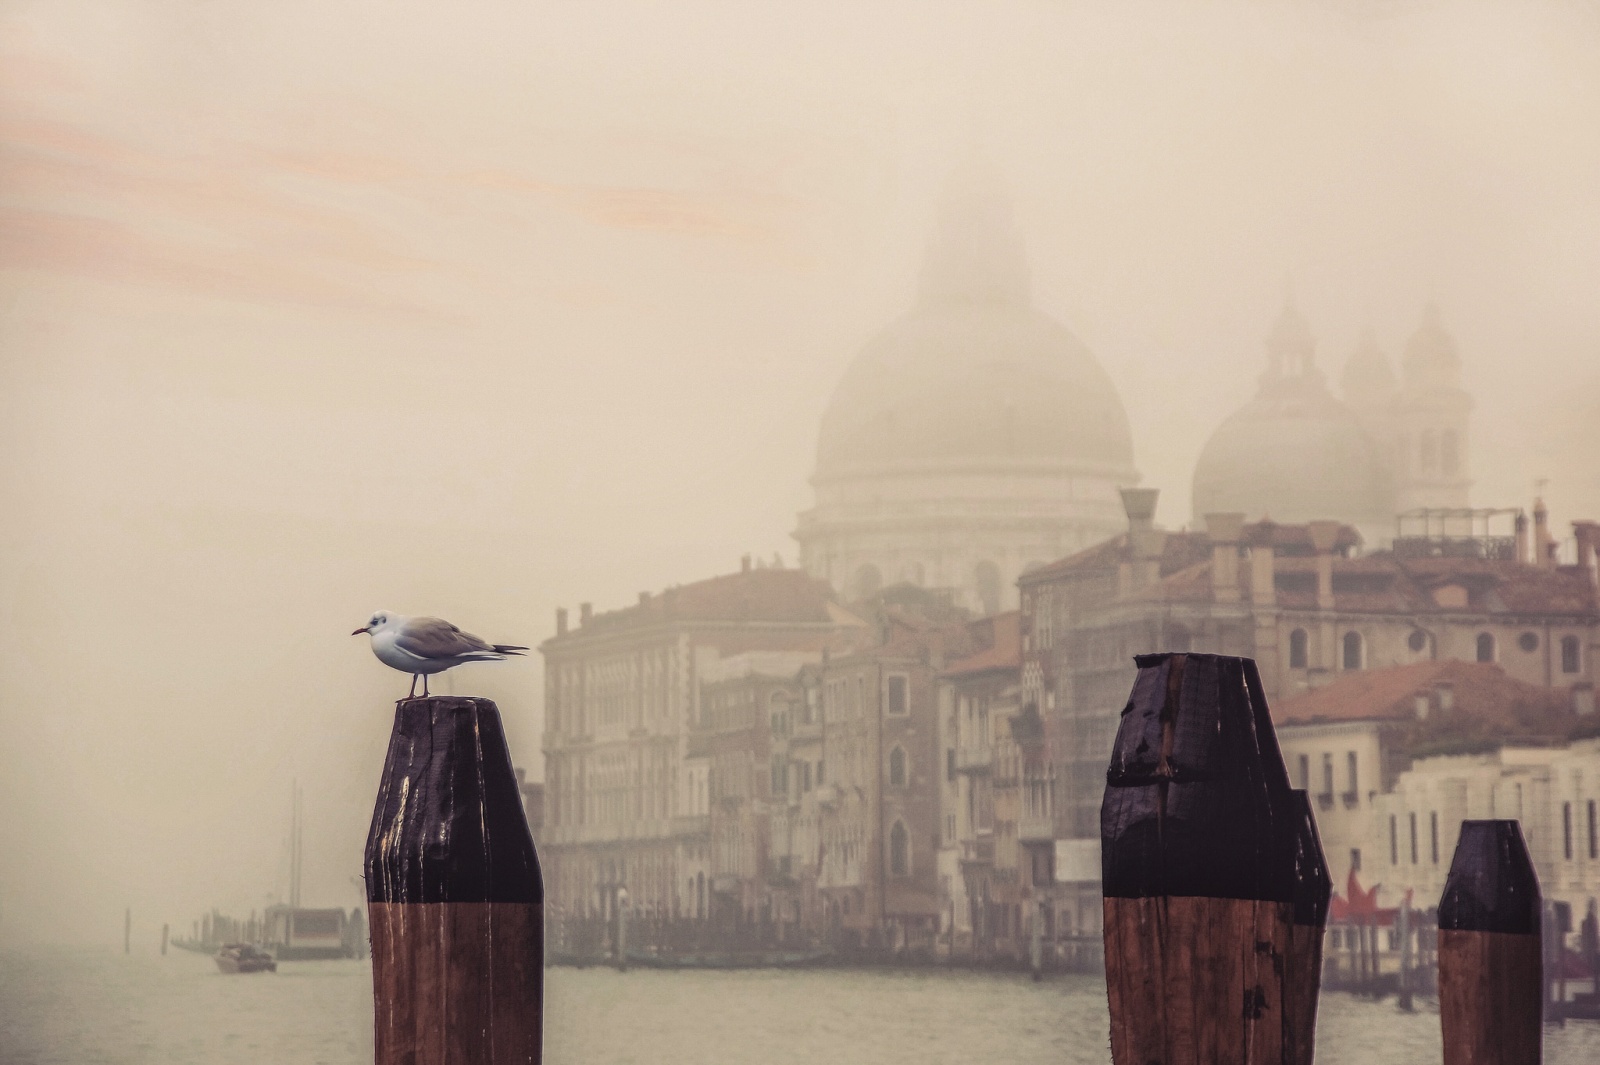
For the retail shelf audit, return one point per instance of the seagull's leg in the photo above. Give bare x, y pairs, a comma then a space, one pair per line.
424, 685
412, 694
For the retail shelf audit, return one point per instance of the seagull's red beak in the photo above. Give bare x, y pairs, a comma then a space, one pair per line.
364, 628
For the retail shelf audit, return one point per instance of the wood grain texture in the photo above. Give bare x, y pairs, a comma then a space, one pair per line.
1204, 981
457, 982
1490, 997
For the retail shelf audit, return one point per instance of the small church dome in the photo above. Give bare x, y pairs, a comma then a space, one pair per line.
1295, 453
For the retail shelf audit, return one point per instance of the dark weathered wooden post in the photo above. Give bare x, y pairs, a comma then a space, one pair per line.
1215, 887
454, 895
1491, 982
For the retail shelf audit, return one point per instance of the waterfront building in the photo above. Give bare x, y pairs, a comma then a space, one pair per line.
877, 779
1351, 743
626, 798
972, 438
1305, 604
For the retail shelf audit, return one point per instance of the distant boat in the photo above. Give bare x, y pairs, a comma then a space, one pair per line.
243, 958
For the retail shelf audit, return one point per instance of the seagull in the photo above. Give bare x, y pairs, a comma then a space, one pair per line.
420, 646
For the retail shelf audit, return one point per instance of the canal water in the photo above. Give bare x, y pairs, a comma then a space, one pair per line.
103, 1008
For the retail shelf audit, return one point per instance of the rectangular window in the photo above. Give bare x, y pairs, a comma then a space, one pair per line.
1350, 766
897, 696
1305, 772
1413, 819
1327, 775
1394, 840
1566, 831
819, 772
1594, 839
1433, 836
1355, 859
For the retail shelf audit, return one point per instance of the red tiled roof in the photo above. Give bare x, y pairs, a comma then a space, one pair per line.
1000, 638
1479, 690
760, 595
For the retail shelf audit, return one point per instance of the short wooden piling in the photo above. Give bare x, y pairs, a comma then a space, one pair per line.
1491, 980
455, 901
1214, 882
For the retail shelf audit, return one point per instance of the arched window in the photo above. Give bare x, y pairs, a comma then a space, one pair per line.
1485, 647
1352, 650
1569, 654
1429, 451
868, 581
899, 850
1297, 649
897, 768
1449, 452
987, 577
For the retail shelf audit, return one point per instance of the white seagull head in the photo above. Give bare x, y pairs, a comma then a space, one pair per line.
380, 620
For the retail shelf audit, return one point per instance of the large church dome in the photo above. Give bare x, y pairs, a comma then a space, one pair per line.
1295, 453
973, 375
972, 438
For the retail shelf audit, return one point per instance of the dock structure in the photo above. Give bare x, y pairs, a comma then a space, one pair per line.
1215, 886
1490, 950
454, 893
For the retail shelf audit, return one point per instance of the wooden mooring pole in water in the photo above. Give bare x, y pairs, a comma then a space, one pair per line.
1215, 886
454, 894
1491, 977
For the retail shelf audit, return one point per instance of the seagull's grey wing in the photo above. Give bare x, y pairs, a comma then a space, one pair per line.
437, 638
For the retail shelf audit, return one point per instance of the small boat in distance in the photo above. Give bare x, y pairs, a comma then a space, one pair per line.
244, 958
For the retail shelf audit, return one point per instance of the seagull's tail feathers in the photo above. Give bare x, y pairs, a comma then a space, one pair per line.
508, 649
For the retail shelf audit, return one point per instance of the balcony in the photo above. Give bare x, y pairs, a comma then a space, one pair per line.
1036, 828
1325, 800
974, 758
1350, 799
978, 851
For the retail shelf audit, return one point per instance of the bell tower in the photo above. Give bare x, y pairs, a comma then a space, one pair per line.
1431, 422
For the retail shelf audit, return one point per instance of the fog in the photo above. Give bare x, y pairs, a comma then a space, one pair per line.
310, 309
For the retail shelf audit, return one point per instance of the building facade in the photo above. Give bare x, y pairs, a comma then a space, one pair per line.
628, 799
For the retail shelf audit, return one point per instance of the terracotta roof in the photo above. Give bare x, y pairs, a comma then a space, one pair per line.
1000, 640
1485, 705
1178, 551
760, 595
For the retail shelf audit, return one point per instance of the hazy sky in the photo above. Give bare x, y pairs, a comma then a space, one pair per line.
310, 308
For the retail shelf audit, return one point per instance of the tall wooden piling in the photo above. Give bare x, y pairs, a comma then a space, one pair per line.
1215, 886
454, 894
1491, 980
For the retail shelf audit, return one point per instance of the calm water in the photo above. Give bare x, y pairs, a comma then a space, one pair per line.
88, 1008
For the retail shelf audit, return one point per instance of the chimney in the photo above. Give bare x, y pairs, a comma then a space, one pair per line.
561, 621
1522, 537
1324, 534
1224, 530
1587, 535
744, 564
585, 612
1542, 540
1145, 542
1263, 564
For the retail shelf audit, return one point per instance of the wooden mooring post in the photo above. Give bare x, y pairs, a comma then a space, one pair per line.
1215, 887
1491, 979
454, 894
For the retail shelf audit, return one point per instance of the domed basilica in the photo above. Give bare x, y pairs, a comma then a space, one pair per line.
975, 437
